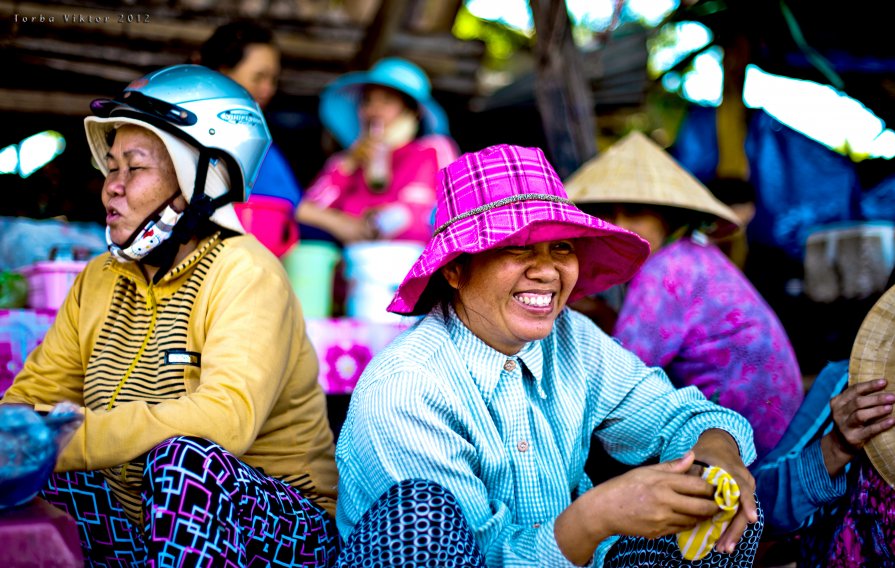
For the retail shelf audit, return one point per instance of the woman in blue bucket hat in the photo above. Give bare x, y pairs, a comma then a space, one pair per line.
396, 138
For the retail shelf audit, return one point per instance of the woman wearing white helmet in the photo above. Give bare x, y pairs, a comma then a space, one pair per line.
205, 438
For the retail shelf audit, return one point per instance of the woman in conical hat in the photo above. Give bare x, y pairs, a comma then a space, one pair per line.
689, 310
832, 477
466, 438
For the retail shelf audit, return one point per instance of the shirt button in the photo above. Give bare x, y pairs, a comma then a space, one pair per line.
522, 446
537, 525
510, 365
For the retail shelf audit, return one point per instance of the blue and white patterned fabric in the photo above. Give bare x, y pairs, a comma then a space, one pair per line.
792, 482
416, 523
509, 436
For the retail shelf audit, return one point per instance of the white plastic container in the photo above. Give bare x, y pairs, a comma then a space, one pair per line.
373, 271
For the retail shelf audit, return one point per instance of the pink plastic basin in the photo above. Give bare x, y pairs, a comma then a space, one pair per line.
271, 220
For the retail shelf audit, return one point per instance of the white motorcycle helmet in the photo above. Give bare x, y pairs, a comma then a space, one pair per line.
214, 132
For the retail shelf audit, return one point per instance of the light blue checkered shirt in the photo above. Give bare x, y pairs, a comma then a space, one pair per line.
509, 435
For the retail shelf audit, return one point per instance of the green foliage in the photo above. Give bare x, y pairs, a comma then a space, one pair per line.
501, 42
13, 290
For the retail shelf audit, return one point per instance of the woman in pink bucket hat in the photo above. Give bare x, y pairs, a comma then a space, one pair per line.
466, 438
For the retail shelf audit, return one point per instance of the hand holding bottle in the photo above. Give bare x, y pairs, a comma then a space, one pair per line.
378, 157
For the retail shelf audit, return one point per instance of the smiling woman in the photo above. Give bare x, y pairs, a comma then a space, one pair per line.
512, 295
466, 438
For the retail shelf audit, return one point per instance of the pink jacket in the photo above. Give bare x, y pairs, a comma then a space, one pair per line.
409, 198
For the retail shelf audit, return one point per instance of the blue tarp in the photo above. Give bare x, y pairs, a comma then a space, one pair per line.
800, 184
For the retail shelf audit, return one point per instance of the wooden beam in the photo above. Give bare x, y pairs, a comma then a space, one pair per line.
103, 26
561, 90
379, 35
93, 52
98, 52
433, 16
16, 100
443, 44
106, 22
118, 73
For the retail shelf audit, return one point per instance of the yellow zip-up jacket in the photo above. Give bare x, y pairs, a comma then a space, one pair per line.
217, 349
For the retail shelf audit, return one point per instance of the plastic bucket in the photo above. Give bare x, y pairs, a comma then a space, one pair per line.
311, 267
374, 270
271, 220
49, 281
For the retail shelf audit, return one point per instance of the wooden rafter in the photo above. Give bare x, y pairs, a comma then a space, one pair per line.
561, 90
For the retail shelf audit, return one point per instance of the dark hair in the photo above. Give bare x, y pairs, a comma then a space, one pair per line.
732, 191
605, 211
226, 46
438, 292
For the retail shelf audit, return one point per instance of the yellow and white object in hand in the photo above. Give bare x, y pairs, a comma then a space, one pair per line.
697, 542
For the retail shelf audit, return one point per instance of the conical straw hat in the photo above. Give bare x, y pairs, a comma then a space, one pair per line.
873, 357
637, 170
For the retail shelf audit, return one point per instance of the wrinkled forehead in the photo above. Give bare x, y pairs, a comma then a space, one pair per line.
125, 137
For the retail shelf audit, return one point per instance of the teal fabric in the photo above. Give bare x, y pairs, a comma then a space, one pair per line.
509, 436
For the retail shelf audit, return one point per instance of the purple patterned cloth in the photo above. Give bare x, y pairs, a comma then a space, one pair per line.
692, 312
858, 530
866, 536
344, 346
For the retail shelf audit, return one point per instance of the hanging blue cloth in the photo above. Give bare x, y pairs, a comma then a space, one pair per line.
878, 203
799, 183
696, 144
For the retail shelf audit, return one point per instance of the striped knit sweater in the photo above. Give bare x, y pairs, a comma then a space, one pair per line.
216, 349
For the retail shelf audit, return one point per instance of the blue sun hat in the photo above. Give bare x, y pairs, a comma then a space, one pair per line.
340, 99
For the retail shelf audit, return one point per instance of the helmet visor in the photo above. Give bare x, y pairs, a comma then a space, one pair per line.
136, 100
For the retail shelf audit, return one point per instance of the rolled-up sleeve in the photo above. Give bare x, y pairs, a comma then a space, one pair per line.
640, 415
795, 486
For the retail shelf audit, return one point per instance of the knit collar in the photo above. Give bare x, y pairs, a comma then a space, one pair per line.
132, 271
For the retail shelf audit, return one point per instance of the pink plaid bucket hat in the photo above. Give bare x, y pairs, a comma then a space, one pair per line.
511, 196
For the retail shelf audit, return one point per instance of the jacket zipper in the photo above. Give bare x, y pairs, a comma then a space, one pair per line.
152, 305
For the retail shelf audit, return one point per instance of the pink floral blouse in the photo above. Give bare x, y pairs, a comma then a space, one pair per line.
692, 312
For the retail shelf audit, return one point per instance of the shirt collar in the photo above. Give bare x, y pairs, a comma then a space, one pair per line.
532, 356
132, 271
485, 364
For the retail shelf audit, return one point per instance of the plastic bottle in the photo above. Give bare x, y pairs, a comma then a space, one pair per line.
377, 172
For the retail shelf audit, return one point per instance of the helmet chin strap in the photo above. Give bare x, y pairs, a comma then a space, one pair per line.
196, 215
154, 230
